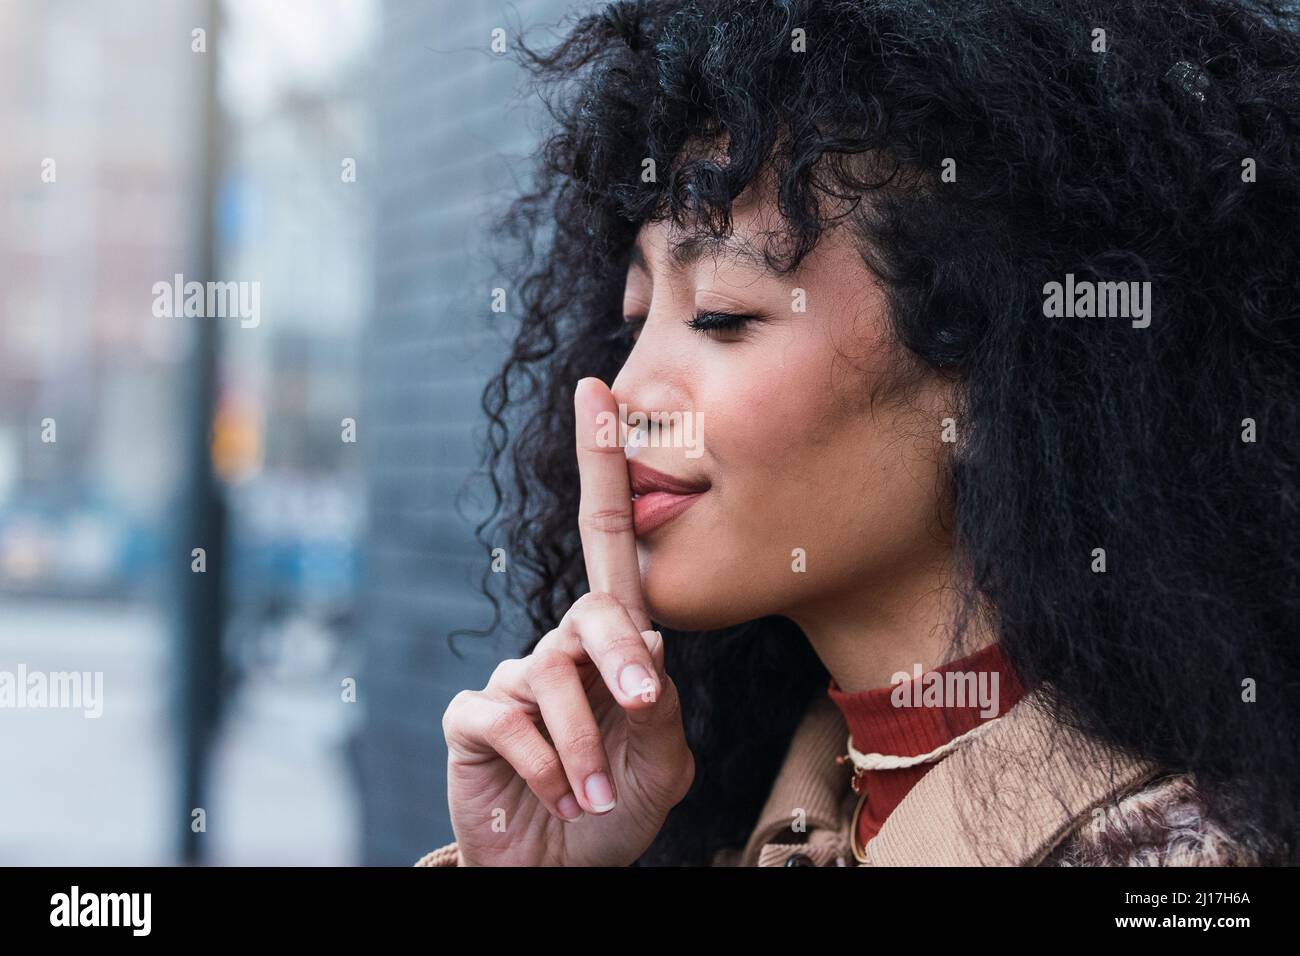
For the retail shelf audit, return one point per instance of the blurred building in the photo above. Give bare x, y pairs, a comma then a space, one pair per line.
98, 177
101, 186
363, 148
453, 141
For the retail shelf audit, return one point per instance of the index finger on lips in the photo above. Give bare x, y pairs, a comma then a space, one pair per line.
605, 507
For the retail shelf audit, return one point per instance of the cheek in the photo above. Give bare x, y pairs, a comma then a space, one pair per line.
787, 453
797, 443
766, 412
787, 422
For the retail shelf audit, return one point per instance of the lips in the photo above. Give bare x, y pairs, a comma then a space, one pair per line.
657, 498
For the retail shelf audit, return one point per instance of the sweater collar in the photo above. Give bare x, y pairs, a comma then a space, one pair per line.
1005, 798
923, 710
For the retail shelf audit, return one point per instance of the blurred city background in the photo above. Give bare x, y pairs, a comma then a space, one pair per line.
347, 156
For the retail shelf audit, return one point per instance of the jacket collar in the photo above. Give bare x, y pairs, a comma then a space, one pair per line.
1005, 798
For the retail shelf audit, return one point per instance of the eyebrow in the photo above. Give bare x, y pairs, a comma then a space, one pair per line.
690, 250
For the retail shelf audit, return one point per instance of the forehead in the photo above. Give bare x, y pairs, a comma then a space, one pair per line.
755, 220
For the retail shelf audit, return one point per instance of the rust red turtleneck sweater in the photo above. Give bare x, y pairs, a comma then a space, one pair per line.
880, 725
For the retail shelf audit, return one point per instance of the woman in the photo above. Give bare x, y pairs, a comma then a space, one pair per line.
961, 527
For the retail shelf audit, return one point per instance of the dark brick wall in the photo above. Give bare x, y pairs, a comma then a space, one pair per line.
451, 133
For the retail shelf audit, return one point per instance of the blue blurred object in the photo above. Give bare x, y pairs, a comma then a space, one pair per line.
78, 545
295, 540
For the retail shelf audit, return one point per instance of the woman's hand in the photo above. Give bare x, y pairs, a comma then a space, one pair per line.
588, 722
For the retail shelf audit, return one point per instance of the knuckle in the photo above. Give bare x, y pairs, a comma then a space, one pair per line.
547, 666
597, 601
552, 637
507, 725
584, 744
608, 520
606, 448
502, 673
455, 709
542, 767
628, 648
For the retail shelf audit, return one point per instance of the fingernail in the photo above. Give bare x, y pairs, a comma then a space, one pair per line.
634, 680
569, 808
599, 793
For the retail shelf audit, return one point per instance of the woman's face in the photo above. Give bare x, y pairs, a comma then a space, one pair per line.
814, 492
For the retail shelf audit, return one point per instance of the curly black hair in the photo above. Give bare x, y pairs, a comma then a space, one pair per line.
1125, 140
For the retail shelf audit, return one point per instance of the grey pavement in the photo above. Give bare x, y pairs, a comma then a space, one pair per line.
79, 791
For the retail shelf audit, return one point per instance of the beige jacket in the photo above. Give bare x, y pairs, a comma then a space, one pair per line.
1026, 792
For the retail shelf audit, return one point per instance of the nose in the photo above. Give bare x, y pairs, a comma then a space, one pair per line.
652, 383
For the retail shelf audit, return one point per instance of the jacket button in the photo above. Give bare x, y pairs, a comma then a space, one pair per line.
800, 859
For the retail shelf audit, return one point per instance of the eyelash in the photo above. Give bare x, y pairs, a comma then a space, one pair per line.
710, 323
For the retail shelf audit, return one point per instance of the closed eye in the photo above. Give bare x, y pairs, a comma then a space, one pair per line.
720, 324
711, 323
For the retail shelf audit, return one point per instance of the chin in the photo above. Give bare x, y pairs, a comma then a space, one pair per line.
688, 598
683, 618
